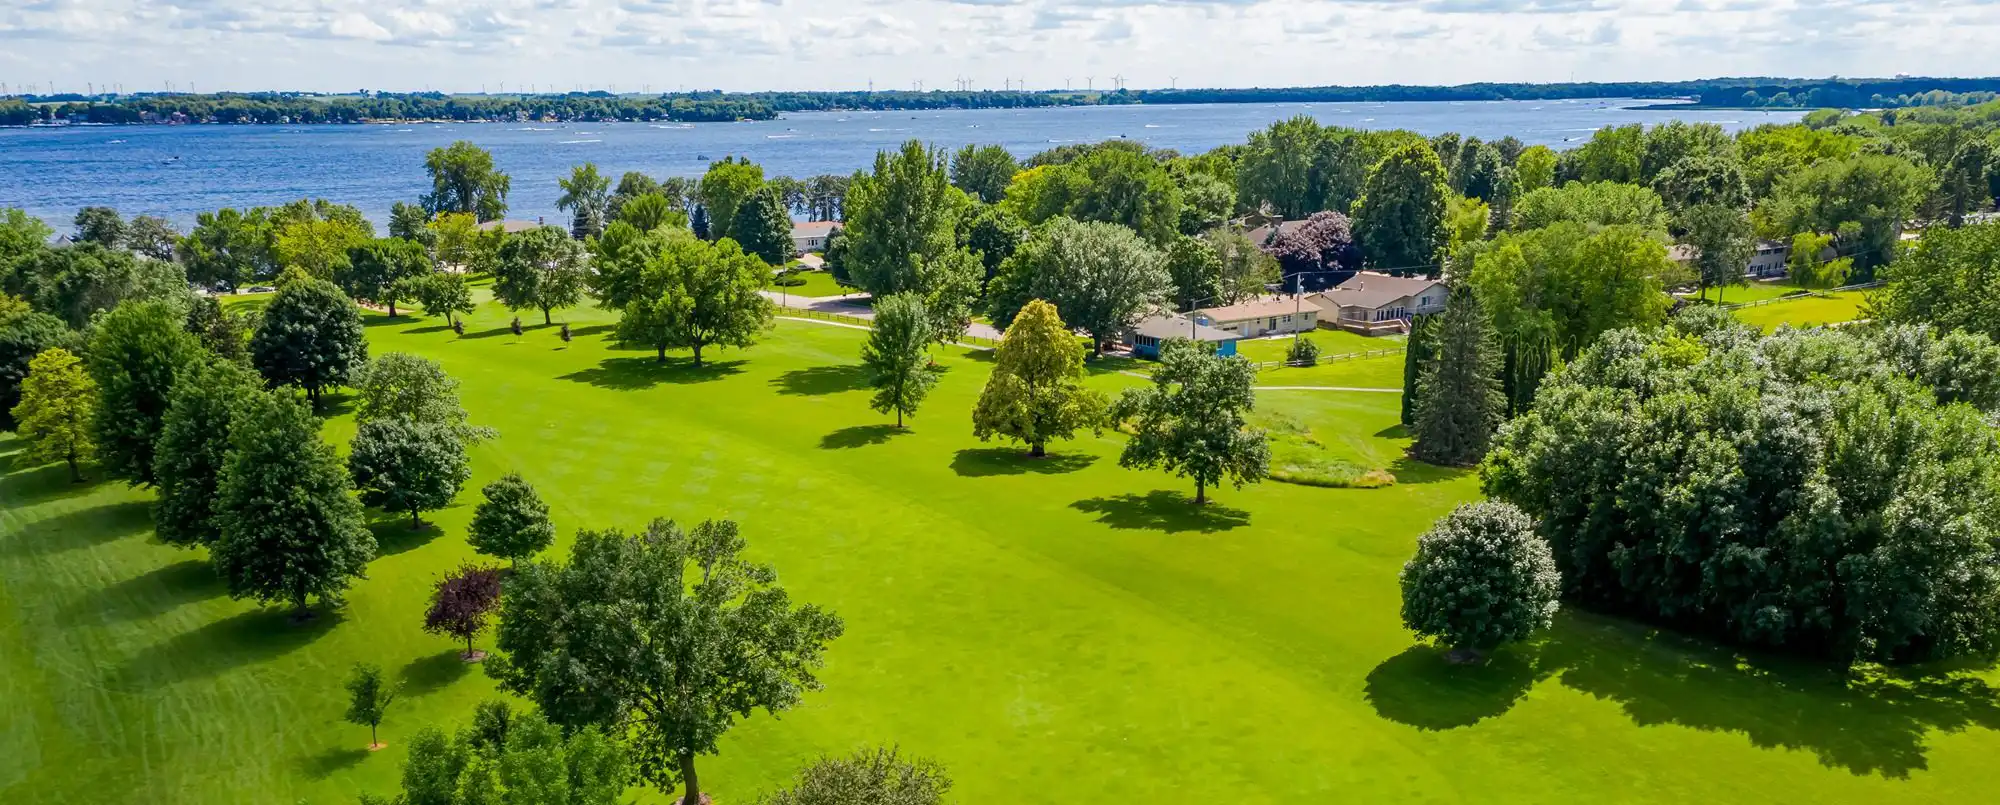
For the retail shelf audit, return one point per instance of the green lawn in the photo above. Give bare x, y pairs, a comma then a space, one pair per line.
1331, 342
1754, 291
818, 283
1805, 311
1061, 629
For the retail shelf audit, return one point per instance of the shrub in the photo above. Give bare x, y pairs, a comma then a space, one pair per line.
1481, 578
1303, 352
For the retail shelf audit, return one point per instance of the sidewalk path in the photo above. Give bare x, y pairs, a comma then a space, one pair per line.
856, 305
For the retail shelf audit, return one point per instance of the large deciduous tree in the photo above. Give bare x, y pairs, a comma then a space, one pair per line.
763, 228
137, 353
983, 171
1400, 217
310, 336
1723, 243
443, 293
1947, 281
512, 522
897, 355
229, 247
383, 269
291, 527
901, 220
193, 448
1459, 400
1593, 204
1871, 195
1481, 578
1190, 422
1101, 277
516, 760
694, 294
401, 384
58, 404
543, 268
586, 194
666, 638
728, 183
401, 464
463, 180
1034, 395
23, 335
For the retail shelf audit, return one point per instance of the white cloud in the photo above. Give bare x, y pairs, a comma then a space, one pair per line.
840, 44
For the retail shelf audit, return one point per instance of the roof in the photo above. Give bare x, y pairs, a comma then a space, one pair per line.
1165, 327
813, 229
1375, 290
1262, 235
1254, 309
512, 225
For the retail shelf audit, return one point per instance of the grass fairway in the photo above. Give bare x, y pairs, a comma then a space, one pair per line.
1808, 311
1060, 629
818, 284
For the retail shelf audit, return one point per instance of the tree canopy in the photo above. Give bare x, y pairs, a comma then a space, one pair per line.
54, 416
464, 180
137, 354
310, 336
693, 294
1190, 422
1100, 277
541, 268
1034, 395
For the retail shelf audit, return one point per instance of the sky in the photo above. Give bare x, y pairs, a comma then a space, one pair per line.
742, 45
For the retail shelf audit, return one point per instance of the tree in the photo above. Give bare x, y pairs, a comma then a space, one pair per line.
1946, 281
727, 184
224, 333
1807, 268
901, 220
1419, 349
1481, 578
587, 196
1400, 217
21, 235
99, 225
1322, 242
382, 270
1206, 202
401, 384
651, 212
877, 776
1565, 284
228, 248
1613, 154
24, 335
763, 228
410, 222
1190, 421
1535, 168
463, 180
541, 268
1593, 204
460, 604
462, 244
993, 234
291, 527
512, 522
898, 355
79, 282
1195, 270
319, 246
58, 403
443, 293
368, 698
136, 355
1033, 395
310, 336
631, 187
1723, 244
983, 172
515, 760
1705, 179
401, 464
1459, 401
1120, 186
152, 237
1101, 277
1873, 195
694, 294
667, 637
193, 448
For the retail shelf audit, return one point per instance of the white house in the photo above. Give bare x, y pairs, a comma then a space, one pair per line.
1260, 317
1379, 304
1769, 260
810, 236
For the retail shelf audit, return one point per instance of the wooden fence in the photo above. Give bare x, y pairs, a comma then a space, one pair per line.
1265, 366
1805, 293
972, 341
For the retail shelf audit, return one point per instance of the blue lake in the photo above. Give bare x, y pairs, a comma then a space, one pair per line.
178, 171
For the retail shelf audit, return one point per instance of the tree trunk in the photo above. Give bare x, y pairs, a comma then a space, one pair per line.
1200, 493
392, 308
697, 356
899, 417
75, 475
373, 739
545, 317
1037, 450
415, 521
661, 355
687, 777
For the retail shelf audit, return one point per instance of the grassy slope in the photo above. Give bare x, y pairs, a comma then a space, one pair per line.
1805, 312
1063, 626
1331, 342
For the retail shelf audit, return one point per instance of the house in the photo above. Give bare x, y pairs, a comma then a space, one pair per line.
810, 236
1769, 259
513, 226
1378, 304
1145, 338
1261, 317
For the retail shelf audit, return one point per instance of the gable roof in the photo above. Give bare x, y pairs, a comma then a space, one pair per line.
1165, 327
1253, 309
1371, 291
813, 229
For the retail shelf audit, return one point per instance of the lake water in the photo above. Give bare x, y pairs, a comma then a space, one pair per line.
178, 171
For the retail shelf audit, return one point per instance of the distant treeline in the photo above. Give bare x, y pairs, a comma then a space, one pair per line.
275, 107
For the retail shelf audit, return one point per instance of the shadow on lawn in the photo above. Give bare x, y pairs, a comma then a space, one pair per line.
632, 374
579, 332
1411, 471
434, 673
1867, 721
859, 436
820, 380
81, 528
160, 590
509, 330
989, 461
393, 535
435, 328
252, 637
1161, 510
332, 761
25, 484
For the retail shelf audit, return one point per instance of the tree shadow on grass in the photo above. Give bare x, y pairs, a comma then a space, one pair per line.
435, 328
1396, 431
859, 436
252, 637
990, 461
81, 528
332, 761
819, 380
24, 484
579, 332
393, 535
632, 374
160, 590
1161, 510
431, 674
1411, 471
1420, 688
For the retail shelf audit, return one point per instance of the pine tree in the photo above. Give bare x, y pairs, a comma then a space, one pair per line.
1459, 402
512, 523
1033, 395
58, 402
193, 446
898, 355
136, 354
291, 527
1417, 351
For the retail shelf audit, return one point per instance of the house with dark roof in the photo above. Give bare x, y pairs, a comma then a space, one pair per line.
1145, 338
1379, 304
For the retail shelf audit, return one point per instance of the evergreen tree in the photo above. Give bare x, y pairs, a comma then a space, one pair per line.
193, 447
1459, 402
1418, 350
898, 355
291, 527
402, 464
1190, 421
1034, 394
512, 522
763, 228
310, 336
58, 402
136, 354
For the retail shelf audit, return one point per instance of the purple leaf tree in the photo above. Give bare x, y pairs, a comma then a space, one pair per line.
1322, 242
461, 603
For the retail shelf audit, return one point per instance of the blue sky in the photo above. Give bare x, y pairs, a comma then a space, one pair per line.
462, 45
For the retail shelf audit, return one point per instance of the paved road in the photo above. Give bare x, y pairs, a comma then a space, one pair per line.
856, 305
